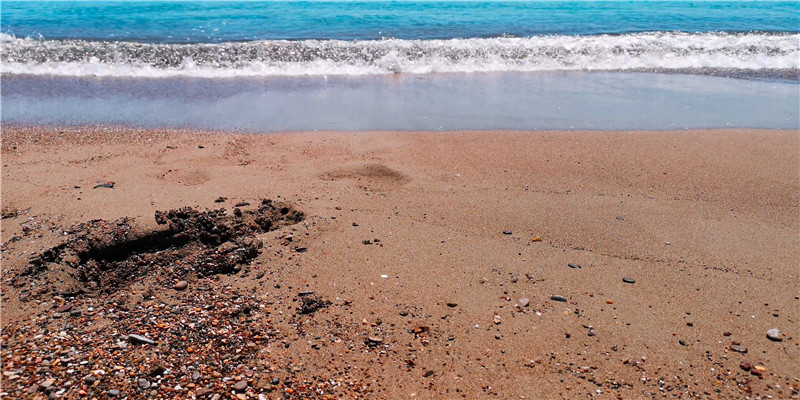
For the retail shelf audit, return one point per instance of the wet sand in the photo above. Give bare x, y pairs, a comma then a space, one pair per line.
421, 250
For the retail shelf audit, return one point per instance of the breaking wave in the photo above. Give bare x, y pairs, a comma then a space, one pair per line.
746, 53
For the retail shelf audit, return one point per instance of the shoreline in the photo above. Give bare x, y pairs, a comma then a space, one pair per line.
705, 222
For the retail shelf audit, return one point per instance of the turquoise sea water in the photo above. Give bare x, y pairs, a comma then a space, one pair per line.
249, 55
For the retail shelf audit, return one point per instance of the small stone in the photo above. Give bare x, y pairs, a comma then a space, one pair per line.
64, 308
144, 384
240, 386
628, 280
739, 348
182, 285
139, 339
429, 373
451, 304
507, 232
196, 375
745, 366
75, 313
89, 379
574, 266
46, 384
756, 372
726, 334
276, 381
374, 340
113, 392
202, 392
774, 334
556, 297
497, 320
524, 302
305, 293
682, 342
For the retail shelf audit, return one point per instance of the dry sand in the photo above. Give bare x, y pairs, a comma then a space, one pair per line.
706, 222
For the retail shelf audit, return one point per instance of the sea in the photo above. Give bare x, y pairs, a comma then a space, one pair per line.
401, 65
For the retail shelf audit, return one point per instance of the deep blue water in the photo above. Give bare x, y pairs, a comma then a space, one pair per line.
181, 22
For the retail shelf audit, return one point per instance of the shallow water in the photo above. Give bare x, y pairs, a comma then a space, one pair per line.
476, 101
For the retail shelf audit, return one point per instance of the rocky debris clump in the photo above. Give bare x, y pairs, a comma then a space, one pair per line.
104, 255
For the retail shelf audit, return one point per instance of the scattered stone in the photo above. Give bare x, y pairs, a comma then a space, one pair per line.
75, 313
64, 308
144, 384
628, 280
497, 320
507, 232
774, 334
429, 373
451, 304
682, 342
136, 339
524, 302
745, 365
306, 293
556, 297
46, 384
574, 266
221, 199
366, 241
181, 285
113, 392
202, 392
757, 372
240, 386
374, 340
739, 348
726, 334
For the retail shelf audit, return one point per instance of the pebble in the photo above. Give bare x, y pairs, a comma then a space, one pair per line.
374, 340
46, 384
452, 304
64, 308
745, 366
507, 232
181, 285
113, 392
143, 383
524, 302
575, 266
140, 339
202, 392
739, 348
429, 373
774, 334
240, 386
497, 320
628, 280
556, 297
306, 293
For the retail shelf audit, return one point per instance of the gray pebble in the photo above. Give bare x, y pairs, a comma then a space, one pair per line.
524, 302
774, 334
143, 383
575, 266
629, 280
140, 339
240, 386
113, 392
556, 297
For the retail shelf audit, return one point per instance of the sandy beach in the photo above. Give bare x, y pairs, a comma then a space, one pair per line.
442, 265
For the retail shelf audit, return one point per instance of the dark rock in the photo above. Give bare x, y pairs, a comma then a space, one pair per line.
628, 280
556, 297
451, 304
429, 373
276, 381
507, 232
306, 293
745, 365
575, 266
221, 199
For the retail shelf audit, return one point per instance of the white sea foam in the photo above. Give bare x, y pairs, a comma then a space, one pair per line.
662, 51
